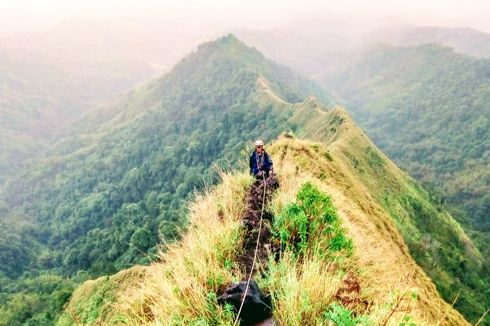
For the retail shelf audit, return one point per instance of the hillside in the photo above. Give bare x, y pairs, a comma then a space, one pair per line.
427, 108
50, 79
382, 209
317, 49
106, 198
103, 199
40, 99
182, 288
463, 40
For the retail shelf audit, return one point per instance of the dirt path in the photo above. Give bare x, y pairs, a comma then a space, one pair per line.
251, 222
257, 306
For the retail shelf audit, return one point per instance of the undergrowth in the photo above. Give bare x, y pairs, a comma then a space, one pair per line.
311, 226
315, 252
342, 316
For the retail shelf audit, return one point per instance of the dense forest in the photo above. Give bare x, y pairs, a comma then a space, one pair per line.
428, 108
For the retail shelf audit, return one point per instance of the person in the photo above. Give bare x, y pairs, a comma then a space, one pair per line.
260, 162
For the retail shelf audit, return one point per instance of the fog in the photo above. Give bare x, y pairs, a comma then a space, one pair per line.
215, 16
158, 33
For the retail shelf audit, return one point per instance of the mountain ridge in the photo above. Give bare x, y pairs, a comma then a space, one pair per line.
287, 153
343, 128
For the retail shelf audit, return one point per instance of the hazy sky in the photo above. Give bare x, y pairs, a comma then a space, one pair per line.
28, 15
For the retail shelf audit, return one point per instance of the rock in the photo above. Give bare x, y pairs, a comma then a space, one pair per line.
257, 306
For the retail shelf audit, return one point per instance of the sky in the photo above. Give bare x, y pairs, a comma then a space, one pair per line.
35, 15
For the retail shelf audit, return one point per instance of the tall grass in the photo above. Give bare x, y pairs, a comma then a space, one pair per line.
330, 229
313, 261
182, 289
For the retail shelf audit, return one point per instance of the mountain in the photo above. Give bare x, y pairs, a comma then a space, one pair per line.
313, 50
51, 79
463, 40
188, 114
27, 107
105, 198
427, 108
41, 97
319, 49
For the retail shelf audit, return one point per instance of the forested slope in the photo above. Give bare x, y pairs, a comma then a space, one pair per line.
428, 109
104, 199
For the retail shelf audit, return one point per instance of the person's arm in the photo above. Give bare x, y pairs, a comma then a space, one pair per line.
251, 164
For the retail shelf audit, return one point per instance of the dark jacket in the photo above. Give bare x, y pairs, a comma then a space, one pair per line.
260, 163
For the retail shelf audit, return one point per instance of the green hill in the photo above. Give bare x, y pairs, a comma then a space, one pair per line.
151, 152
105, 199
50, 79
427, 108
463, 40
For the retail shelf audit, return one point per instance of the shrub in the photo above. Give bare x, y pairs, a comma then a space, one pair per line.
311, 225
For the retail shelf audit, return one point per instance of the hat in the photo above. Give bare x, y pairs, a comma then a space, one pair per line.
259, 143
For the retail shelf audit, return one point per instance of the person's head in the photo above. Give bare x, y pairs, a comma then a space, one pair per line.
259, 146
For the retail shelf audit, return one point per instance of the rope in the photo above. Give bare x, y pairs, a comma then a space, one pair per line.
255, 253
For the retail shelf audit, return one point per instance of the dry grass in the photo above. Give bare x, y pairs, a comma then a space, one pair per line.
181, 289
301, 291
386, 268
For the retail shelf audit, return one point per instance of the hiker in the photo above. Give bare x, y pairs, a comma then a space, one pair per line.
260, 163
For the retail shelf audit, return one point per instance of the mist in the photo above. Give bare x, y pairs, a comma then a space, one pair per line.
218, 16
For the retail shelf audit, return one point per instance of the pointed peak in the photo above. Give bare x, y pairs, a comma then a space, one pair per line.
228, 38
229, 43
222, 51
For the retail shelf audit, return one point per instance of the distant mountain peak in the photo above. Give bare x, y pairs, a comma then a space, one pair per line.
229, 44
230, 38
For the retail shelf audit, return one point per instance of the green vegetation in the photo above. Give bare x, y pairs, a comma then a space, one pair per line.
427, 108
462, 271
311, 226
105, 198
313, 243
37, 299
341, 316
